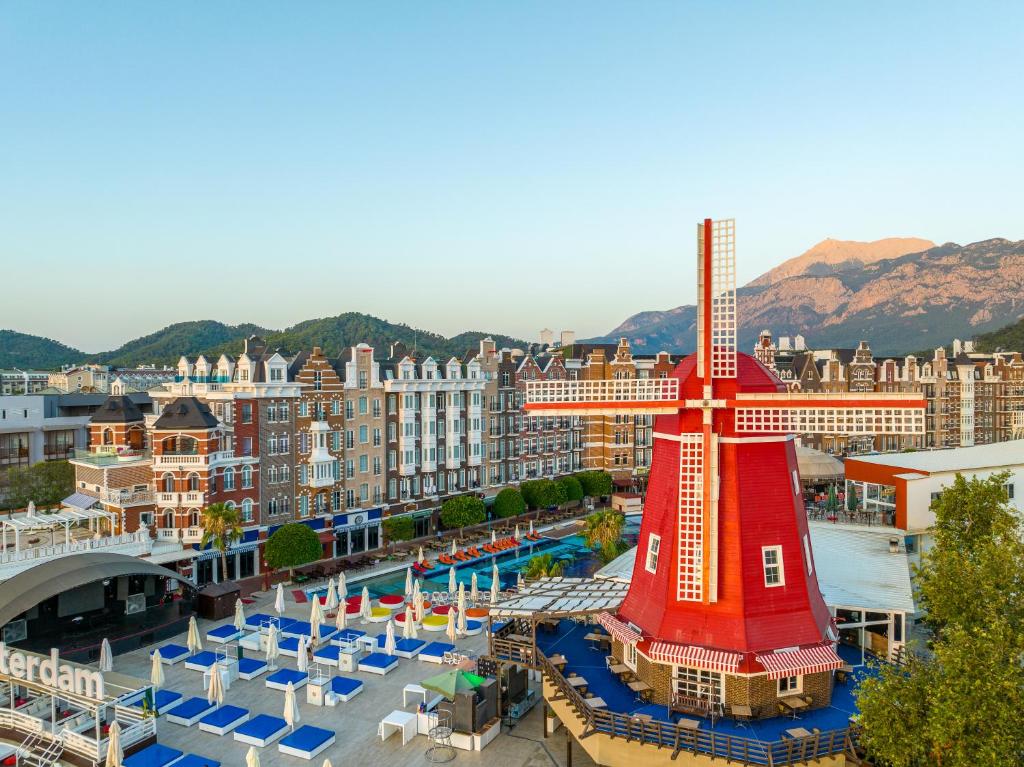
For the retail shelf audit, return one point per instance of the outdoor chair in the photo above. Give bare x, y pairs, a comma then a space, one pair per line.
809, 700
783, 711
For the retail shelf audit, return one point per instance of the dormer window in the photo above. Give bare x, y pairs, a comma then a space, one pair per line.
277, 374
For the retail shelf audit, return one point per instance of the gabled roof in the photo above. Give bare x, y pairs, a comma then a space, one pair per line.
186, 413
117, 409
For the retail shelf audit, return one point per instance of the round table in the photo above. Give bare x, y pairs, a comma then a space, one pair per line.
391, 601
442, 609
379, 614
434, 623
477, 612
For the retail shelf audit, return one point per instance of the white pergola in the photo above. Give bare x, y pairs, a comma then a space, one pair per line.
558, 597
32, 522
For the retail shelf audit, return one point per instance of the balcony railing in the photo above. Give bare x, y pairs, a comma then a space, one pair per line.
109, 456
127, 497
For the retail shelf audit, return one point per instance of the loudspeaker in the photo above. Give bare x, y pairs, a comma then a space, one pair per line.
489, 698
465, 711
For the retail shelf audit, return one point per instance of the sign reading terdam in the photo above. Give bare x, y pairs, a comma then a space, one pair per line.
33, 668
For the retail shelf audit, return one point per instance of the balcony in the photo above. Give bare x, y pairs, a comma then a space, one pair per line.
182, 534
109, 456
191, 498
125, 497
12, 562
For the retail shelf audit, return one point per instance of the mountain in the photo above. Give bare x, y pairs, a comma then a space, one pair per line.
20, 350
1009, 338
213, 338
838, 294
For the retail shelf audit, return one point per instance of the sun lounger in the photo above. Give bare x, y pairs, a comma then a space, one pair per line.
223, 634
434, 652
201, 661
156, 755
190, 711
306, 742
328, 654
346, 688
404, 648
164, 699
250, 668
224, 719
172, 653
347, 637
296, 629
279, 679
378, 663
289, 647
261, 730
473, 628
192, 760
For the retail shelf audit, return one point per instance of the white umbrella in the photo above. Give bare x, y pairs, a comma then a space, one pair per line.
450, 628
342, 587
30, 511
331, 603
454, 548
495, 585
193, 641
531, 527
364, 605
316, 613
327, 763
412, 626
520, 583
215, 690
115, 754
341, 617
273, 651
494, 538
474, 591
409, 624
415, 590
462, 609
239, 615
291, 706
418, 605
451, 580
516, 536
314, 634
389, 638
420, 557
408, 582
106, 656
252, 757
301, 662
279, 600
156, 671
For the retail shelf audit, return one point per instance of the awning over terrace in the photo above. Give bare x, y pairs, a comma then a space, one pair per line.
562, 597
695, 657
621, 631
806, 660
33, 521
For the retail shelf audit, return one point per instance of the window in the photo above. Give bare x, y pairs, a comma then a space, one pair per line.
653, 546
807, 554
335, 407
364, 434
630, 653
1009, 490
247, 510
350, 409
277, 374
247, 477
363, 405
229, 478
364, 463
697, 683
771, 556
246, 412
790, 685
362, 379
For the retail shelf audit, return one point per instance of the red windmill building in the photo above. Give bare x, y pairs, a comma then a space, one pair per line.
724, 606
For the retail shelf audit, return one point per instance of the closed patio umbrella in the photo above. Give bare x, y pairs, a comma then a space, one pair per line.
273, 651
408, 624
420, 557
301, 661
451, 580
239, 622
342, 587
106, 656
474, 591
450, 629
156, 671
454, 548
291, 707
316, 613
252, 757
215, 689
341, 617
418, 604
389, 638
331, 602
520, 583
365, 608
494, 537
531, 527
327, 763
115, 754
495, 583
314, 634
408, 582
193, 641
516, 536
279, 600
462, 610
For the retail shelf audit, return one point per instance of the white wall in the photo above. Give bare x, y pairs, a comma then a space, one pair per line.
919, 493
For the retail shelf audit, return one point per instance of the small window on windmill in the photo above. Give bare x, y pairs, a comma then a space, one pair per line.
653, 547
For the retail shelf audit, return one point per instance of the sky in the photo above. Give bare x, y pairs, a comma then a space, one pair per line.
477, 165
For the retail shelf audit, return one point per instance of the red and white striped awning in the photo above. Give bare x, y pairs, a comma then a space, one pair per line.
806, 660
618, 629
695, 657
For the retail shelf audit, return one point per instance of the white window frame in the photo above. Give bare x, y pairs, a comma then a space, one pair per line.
653, 549
790, 685
777, 550
629, 654
807, 554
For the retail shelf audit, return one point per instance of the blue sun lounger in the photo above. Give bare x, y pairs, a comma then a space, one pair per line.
164, 699
347, 637
289, 647
156, 755
192, 760
378, 663
306, 742
404, 648
224, 719
434, 652
172, 653
190, 711
223, 634
345, 688
250, 668
201, 661
328, 654
261, 730
279, 679
474, 627
296, 629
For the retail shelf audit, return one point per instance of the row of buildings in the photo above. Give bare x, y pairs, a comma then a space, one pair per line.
84, 379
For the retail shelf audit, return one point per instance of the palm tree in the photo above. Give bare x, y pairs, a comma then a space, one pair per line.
222, 526
603, 529
542, 566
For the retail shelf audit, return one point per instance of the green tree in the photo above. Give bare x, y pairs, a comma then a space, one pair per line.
959, 706
509, 503
46, 483
595, 483
851, 499
602, 532
571, 487
222, 526
398, 529
291, 546
462, 511
541, 493
542, 566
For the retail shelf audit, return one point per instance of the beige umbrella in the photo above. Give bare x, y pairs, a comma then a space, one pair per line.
365, 608
450, 628
408, 625
331, 603
327, 763
156, 671
494, 537
520, 583
279, 600
342, 587
316, 614
418, 605
215, 690
115, 754
531, 527
291, 707
462, 610
301, 661
341, 617
495, 585
516, 536
273, 651
415, 590
408, 582
389, 638
193, 641
474, 591
412, 626
106, 656
454, 548
451, 580
239, 622
252, 757
420, 558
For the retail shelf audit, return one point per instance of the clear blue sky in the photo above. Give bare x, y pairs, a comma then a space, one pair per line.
476, 165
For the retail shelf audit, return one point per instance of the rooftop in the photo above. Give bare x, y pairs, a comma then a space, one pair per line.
1000, 454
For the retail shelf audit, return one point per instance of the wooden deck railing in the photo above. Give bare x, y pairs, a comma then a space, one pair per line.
666, 735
